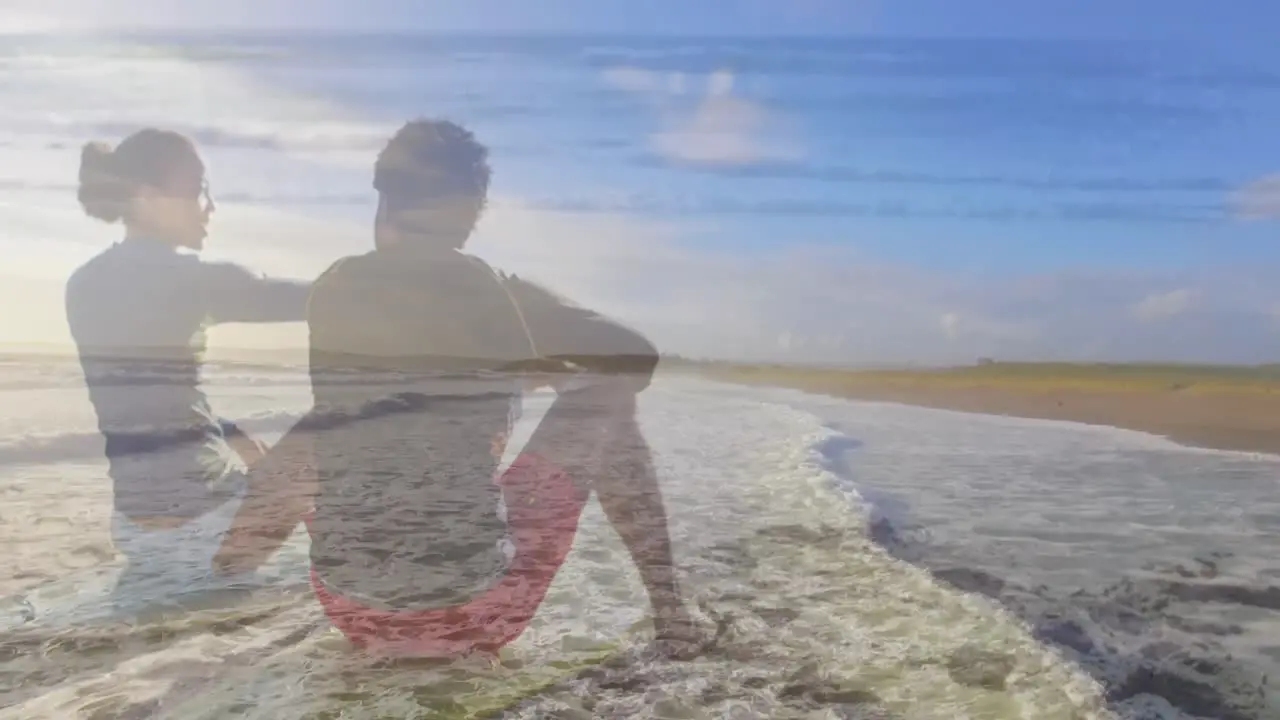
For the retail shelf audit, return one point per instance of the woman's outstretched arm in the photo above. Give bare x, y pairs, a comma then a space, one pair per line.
588, 340
236, 294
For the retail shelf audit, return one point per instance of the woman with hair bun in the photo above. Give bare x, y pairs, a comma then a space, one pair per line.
137, 312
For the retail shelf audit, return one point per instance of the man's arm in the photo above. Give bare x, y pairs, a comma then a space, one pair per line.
568, 333
235, 294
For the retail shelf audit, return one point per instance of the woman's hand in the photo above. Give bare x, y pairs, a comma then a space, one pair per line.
250, 451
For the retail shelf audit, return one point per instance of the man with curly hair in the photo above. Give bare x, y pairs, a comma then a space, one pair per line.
421, 542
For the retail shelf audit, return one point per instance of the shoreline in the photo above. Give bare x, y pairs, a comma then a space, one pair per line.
1240, 417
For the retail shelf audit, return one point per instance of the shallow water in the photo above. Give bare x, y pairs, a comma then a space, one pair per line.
1153, 562
813, 616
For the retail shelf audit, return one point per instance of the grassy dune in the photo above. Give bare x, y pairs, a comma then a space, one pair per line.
1225, 407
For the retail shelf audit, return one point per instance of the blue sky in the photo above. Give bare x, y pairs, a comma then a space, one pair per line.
1233, 24
1055, 193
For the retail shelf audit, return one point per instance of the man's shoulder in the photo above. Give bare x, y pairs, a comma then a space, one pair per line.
356, 275
346, 267
392, 283
382, 264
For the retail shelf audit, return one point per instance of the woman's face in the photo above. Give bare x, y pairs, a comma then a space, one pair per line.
178, 210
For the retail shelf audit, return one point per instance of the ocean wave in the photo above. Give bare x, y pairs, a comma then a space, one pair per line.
61, 447
814, 618
27, 376
1140, 637
39, 449
69, 381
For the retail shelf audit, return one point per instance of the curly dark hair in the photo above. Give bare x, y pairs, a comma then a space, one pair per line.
429, 157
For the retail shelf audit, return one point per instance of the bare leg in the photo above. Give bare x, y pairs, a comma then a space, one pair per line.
627, 486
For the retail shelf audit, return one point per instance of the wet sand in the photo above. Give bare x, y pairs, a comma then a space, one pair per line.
1210, 408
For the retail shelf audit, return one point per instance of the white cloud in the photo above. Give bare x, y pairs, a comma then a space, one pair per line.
13, 21
1162, 306
736, 18
1259, 200
805, 301
722, 128
113, 15
813, 303
950, 324
640, 81
835, 304
720, 84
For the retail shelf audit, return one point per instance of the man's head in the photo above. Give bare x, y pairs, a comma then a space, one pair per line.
432, 180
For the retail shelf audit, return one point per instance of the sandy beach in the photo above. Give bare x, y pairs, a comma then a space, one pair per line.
1218, 408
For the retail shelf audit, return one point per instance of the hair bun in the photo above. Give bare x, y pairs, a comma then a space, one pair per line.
102, 192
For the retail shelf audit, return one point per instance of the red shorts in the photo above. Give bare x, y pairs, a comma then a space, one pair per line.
543, 508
